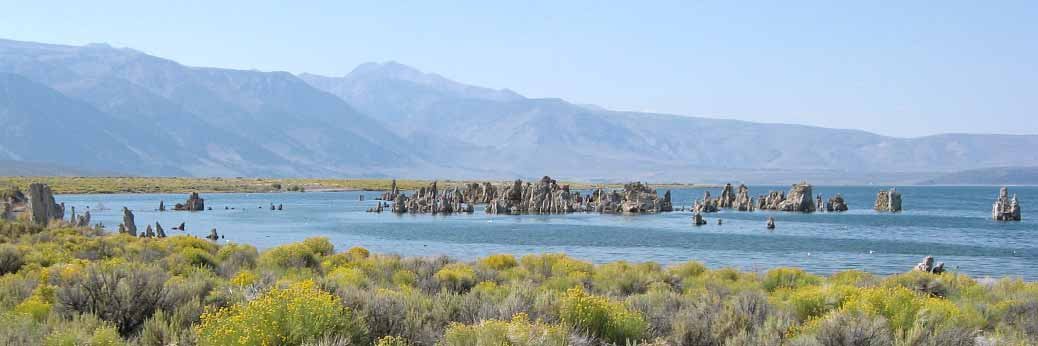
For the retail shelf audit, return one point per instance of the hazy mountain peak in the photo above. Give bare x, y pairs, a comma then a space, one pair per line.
367, 74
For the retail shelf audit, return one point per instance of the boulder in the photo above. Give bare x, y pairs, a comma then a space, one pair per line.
213, 235
149, 232
194, 203
128, 226
928, 266
888, 201
41, 207
1005, 208
771, 223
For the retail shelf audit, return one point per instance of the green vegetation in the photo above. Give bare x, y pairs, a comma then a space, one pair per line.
104, 185
81, 286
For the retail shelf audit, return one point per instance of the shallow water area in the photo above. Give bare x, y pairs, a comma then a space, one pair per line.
953, 224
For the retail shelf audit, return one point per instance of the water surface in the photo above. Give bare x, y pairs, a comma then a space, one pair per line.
951, 223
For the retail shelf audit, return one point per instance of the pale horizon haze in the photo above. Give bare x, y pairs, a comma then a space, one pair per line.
902, 69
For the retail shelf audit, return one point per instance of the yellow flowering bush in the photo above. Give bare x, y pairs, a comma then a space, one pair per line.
244, 278
292, 316
457, 277
499, 262
517, 332
600, 317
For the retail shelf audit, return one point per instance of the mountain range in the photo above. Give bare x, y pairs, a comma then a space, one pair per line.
96, 108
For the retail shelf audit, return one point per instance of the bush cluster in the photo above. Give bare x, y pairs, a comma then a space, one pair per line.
61, 285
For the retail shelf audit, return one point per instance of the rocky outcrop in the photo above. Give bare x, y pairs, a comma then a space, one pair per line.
707, 204
639, 198
544, 197
213, 235
928, 266
888, 201
41, 207
149, 232
159, 232
743, 201
79, 220
431, 200
727, 198
771, 201
128, 226
393, 192
798, 199
836, 204
1005, 208
194, 203
162, 205
479, 193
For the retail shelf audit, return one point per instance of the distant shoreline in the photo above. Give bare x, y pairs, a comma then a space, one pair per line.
141, 185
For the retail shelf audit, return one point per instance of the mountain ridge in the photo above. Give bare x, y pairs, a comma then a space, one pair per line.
391, 120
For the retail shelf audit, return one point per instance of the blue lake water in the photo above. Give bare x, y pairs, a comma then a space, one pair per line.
951, 223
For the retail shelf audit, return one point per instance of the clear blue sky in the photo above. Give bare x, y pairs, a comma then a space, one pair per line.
903, 68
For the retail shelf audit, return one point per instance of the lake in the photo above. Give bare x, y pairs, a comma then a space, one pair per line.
953, 224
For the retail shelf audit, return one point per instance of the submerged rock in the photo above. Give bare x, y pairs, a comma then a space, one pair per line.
771, 223
194, 203
888, 201
41, 207
1005, 208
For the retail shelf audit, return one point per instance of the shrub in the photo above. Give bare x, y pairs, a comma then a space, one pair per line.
499, 262
234, 257
292, 316
853, 328
347, 277
290, 256
405, 278
358, 253
244, 278
10, 259
319, 246
601, 318
457, 277
854, 278
518, 332
82, 330
125, 295
698, 323
623, 279
922, 282
36, 307
814, 301
788, 278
